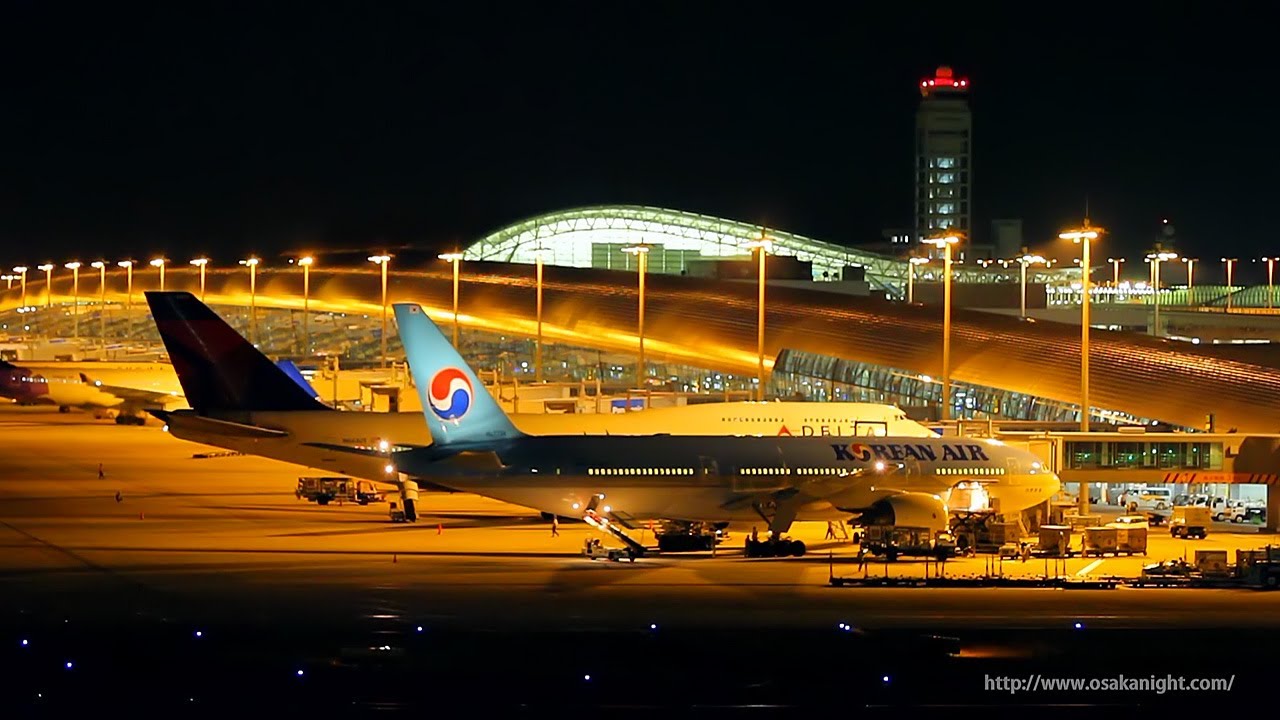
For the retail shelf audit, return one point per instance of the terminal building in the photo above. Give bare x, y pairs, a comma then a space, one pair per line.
837, 328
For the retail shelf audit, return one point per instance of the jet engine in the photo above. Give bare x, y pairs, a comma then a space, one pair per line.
909, 510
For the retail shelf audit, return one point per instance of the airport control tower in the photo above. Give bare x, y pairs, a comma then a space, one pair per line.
944, 155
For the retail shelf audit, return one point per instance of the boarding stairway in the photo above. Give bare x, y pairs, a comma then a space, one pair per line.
613, 523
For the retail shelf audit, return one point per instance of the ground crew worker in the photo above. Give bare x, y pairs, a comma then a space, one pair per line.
555, 526
101, 474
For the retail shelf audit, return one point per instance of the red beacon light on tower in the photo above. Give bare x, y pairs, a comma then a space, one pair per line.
943, 77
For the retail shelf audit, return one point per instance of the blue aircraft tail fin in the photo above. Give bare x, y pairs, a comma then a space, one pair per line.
458, 408
293, 372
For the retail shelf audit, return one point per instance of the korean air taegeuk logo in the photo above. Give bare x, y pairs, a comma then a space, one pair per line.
450, 394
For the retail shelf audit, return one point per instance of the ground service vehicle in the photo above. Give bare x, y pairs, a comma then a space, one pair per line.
323, 490
894, 541
1130, 521
594, 550
1157, 497
1190, 521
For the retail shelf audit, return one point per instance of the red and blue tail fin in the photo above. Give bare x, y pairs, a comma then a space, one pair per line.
219, 370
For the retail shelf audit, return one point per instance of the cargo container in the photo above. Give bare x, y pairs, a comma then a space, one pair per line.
1100, 541
1131, 540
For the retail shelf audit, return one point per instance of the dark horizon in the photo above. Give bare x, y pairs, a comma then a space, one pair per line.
268, 131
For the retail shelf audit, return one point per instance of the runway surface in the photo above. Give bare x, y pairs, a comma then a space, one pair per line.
222, 542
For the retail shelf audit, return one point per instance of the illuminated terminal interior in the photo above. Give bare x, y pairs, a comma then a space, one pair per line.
700, 331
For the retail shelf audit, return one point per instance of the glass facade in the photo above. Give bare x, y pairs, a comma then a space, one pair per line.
823, 377
1142, 455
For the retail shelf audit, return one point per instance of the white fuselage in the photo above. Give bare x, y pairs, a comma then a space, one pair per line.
1012, 492
64, 384
304, 429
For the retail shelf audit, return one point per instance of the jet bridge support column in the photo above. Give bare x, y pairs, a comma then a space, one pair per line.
1273, 508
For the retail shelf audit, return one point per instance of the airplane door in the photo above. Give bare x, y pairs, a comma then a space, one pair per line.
708, 465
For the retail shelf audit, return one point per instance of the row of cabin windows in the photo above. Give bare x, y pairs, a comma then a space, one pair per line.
640, 471
788, 471
969, 471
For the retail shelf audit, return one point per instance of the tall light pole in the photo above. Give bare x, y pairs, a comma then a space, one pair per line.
945, 241
912, 262
74, 267
1230, 263
160, 263
1191, 264
641, 251
537, 348
252, 263
22, 273
48, 283
1027, 259
382, 261
8, 280
306, 263
1156, 257
128, 302
1271, 266
1084, 235
762, 247
455, 259
101, 267
200, 262
1115, 271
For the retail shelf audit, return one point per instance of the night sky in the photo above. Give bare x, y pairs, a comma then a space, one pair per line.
242, 129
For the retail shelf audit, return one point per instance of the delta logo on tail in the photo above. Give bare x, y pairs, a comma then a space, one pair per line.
450, 394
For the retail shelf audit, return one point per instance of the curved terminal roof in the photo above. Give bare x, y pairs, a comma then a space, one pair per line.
593, 237
712, 323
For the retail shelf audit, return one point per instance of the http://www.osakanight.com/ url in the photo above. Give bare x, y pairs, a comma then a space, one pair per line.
1158, 684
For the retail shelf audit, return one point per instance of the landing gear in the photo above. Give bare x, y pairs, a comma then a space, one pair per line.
406, 509
130, 420
775, 548
64, 409
779, 515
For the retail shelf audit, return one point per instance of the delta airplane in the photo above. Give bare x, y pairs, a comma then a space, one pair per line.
123, 391
617, 480
241, 402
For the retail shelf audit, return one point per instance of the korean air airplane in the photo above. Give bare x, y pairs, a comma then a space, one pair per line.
615, 481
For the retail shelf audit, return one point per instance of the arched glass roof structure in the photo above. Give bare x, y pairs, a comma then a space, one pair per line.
702, 322
593, 237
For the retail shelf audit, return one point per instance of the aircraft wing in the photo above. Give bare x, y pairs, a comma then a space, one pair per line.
132, 395
481, 460
360, 449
